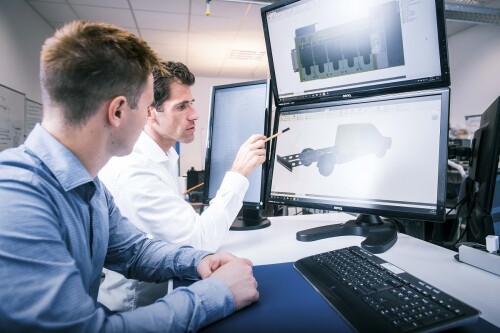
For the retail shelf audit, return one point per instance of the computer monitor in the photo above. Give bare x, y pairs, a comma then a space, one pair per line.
483, 168
381, 156
495, 209
236, 112
322, 50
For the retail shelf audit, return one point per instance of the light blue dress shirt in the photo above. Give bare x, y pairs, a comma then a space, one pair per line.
59, 227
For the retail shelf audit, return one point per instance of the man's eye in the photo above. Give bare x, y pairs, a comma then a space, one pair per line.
181, 107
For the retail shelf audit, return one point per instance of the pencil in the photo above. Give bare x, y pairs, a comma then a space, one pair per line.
276, 134
192, 188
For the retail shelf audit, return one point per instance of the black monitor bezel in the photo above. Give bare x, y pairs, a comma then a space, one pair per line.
485, 148
354, 93
267, 128
439, 216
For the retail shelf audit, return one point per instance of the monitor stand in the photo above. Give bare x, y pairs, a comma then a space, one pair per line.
250, 219
380, 235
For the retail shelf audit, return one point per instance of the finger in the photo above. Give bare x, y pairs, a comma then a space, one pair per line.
256, 138
248, 261
257, 145
204, 271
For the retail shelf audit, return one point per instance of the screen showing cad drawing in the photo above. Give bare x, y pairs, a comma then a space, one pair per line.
325, 47
237, 112
361, 154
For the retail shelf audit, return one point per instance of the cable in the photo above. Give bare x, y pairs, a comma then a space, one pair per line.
470, 210
460, 203
457, 167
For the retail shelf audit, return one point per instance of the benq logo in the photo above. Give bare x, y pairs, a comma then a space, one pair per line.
337, 208
346, 95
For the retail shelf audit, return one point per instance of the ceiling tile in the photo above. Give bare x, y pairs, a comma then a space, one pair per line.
236, 63
211, 24
161, 21
133, 30
250, 40
56, 25
165, 37
170, 6
170, 52
56, 1
211, 40
201, 67
210, 55
54, 12
102, 3
116, 16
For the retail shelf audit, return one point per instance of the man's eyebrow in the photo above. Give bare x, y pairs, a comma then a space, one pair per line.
185, 102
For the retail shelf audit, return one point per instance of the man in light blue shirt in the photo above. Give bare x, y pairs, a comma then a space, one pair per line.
59, 225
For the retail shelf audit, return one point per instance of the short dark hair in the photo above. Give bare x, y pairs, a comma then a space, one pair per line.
164, 75
87, 63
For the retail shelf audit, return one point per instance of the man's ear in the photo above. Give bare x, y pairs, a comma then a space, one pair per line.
151, 113
116, 110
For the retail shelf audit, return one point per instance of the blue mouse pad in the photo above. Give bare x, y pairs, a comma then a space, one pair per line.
287, 303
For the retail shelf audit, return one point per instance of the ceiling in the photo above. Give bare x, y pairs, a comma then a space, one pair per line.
228, 43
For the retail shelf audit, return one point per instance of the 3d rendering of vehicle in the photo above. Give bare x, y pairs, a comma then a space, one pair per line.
351, 142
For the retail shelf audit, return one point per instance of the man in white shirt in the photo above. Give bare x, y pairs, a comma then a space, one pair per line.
145, 185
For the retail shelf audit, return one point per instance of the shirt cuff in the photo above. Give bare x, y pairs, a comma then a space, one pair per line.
216, 298
235, 182
187, 262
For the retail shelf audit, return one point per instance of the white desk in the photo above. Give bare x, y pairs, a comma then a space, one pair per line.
431, 263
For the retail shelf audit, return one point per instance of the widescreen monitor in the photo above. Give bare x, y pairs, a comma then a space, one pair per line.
482, 175
322, 50
383, 156
237, 111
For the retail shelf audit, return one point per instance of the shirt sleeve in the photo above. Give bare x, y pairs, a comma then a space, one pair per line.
42, 286
150, 199
186, 309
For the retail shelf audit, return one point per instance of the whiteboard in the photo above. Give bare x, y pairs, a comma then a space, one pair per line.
34, 112
12, 109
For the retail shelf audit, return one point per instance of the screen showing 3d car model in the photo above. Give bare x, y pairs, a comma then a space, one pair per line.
321, 48
385, 153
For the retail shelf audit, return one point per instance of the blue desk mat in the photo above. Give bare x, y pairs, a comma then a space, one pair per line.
288, 303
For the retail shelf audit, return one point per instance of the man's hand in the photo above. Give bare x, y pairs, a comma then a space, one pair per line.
251, 154
235, 272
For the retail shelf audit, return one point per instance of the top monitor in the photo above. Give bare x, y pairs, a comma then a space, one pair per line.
327, 50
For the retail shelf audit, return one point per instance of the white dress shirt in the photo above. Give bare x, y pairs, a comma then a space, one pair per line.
145, 187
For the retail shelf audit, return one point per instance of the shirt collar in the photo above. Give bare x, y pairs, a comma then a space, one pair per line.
65, 166
150, 148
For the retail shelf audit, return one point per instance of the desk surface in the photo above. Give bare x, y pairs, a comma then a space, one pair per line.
431, 263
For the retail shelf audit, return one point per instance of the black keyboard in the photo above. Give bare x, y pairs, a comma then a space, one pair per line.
375, 296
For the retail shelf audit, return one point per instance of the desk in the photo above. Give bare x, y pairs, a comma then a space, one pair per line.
431, 263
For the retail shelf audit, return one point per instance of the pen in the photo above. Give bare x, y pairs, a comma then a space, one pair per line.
276, 134
192, 188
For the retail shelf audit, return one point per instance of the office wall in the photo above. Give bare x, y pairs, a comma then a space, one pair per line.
22, 33
475, 71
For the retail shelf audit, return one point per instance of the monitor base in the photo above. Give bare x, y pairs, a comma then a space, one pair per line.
380, 235
251, 219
